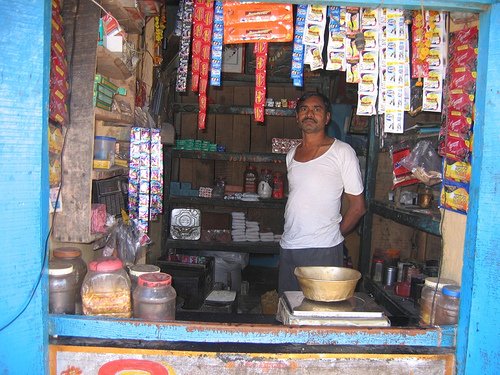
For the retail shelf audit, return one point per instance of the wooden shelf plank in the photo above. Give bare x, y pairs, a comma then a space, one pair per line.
265, 203
246, 157
109, 116
240, 247
232, 109
422, 219
102, 174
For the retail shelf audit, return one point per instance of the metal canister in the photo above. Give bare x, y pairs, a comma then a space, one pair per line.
390, 275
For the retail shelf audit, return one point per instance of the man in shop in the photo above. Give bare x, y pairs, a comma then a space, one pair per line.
320, 171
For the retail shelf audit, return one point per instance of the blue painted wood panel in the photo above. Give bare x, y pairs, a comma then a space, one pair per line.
24, 77
478, 350
133, 329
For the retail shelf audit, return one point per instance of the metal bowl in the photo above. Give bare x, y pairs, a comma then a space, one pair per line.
327, 284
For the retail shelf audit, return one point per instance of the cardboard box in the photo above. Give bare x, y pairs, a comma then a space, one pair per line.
102, 164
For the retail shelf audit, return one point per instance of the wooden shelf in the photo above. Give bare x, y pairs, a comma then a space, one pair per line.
195, 201
422, 219
397, 306
110, 64
110, 116
102, 174
240, 247
246, 157
232, 109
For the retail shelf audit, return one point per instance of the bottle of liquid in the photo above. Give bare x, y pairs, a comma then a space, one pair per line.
447, 305
278, 190
250, 180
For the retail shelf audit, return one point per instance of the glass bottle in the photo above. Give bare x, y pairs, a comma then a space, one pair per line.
250, 180
278, 188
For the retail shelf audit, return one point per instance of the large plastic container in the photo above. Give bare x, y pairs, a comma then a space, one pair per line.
106, 289
154, 297
448, 305
427, 309
73, 256
62, 286
104, 148
140, 269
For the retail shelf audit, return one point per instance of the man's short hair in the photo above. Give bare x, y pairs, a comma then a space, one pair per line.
308, 95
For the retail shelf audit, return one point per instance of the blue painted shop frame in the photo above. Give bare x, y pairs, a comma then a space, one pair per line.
24, 343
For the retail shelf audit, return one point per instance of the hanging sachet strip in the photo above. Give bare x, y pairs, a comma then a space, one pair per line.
205, 60
336, 39
217, 37
314, 39
178, 19
156, 179
198, 16
260, 51
182, 70
297, 71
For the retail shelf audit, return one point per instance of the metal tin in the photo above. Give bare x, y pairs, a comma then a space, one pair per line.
390, 275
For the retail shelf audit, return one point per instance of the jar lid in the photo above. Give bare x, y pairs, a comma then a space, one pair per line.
451, 291
141, 269
104, 138
66, 252
433, 281
105, 264
59, 268
155, 279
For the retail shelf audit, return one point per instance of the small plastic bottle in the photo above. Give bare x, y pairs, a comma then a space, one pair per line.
448, 305
154, 297
62, 286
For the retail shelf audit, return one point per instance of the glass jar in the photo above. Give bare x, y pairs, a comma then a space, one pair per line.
106, 289
154, 297
278, 188
62, 286
265, 184
140, 269
427, 310
250, 180
448, 305
73, 256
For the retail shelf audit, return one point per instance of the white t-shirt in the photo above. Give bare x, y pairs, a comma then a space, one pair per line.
312, 213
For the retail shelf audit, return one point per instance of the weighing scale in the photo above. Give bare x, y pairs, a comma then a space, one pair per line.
358, 311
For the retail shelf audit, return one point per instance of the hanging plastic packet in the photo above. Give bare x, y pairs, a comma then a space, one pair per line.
297, 70
313, 38
336, 39
260, 51
401, 176
182, 69
217, 38
455, 196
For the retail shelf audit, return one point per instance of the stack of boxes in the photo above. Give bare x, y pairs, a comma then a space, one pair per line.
104, 92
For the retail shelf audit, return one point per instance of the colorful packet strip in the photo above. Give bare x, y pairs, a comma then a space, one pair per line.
217, 38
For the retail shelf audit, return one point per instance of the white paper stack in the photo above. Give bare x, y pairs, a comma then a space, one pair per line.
238, 226
252, 231
267, 236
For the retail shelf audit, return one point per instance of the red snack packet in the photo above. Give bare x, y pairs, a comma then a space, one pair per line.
458, 100
401, 176
464, 57
458, 122
466, 36
457, 147
464, 79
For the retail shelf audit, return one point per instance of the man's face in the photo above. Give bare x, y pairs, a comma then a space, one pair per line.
312, 116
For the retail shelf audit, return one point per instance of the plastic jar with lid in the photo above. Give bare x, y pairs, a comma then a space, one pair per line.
140, 269
62, 286
448, 305
154, 297
427, 310
73, 256
106, 289
250, 180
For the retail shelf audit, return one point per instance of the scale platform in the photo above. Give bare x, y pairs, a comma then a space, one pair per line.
357, 311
